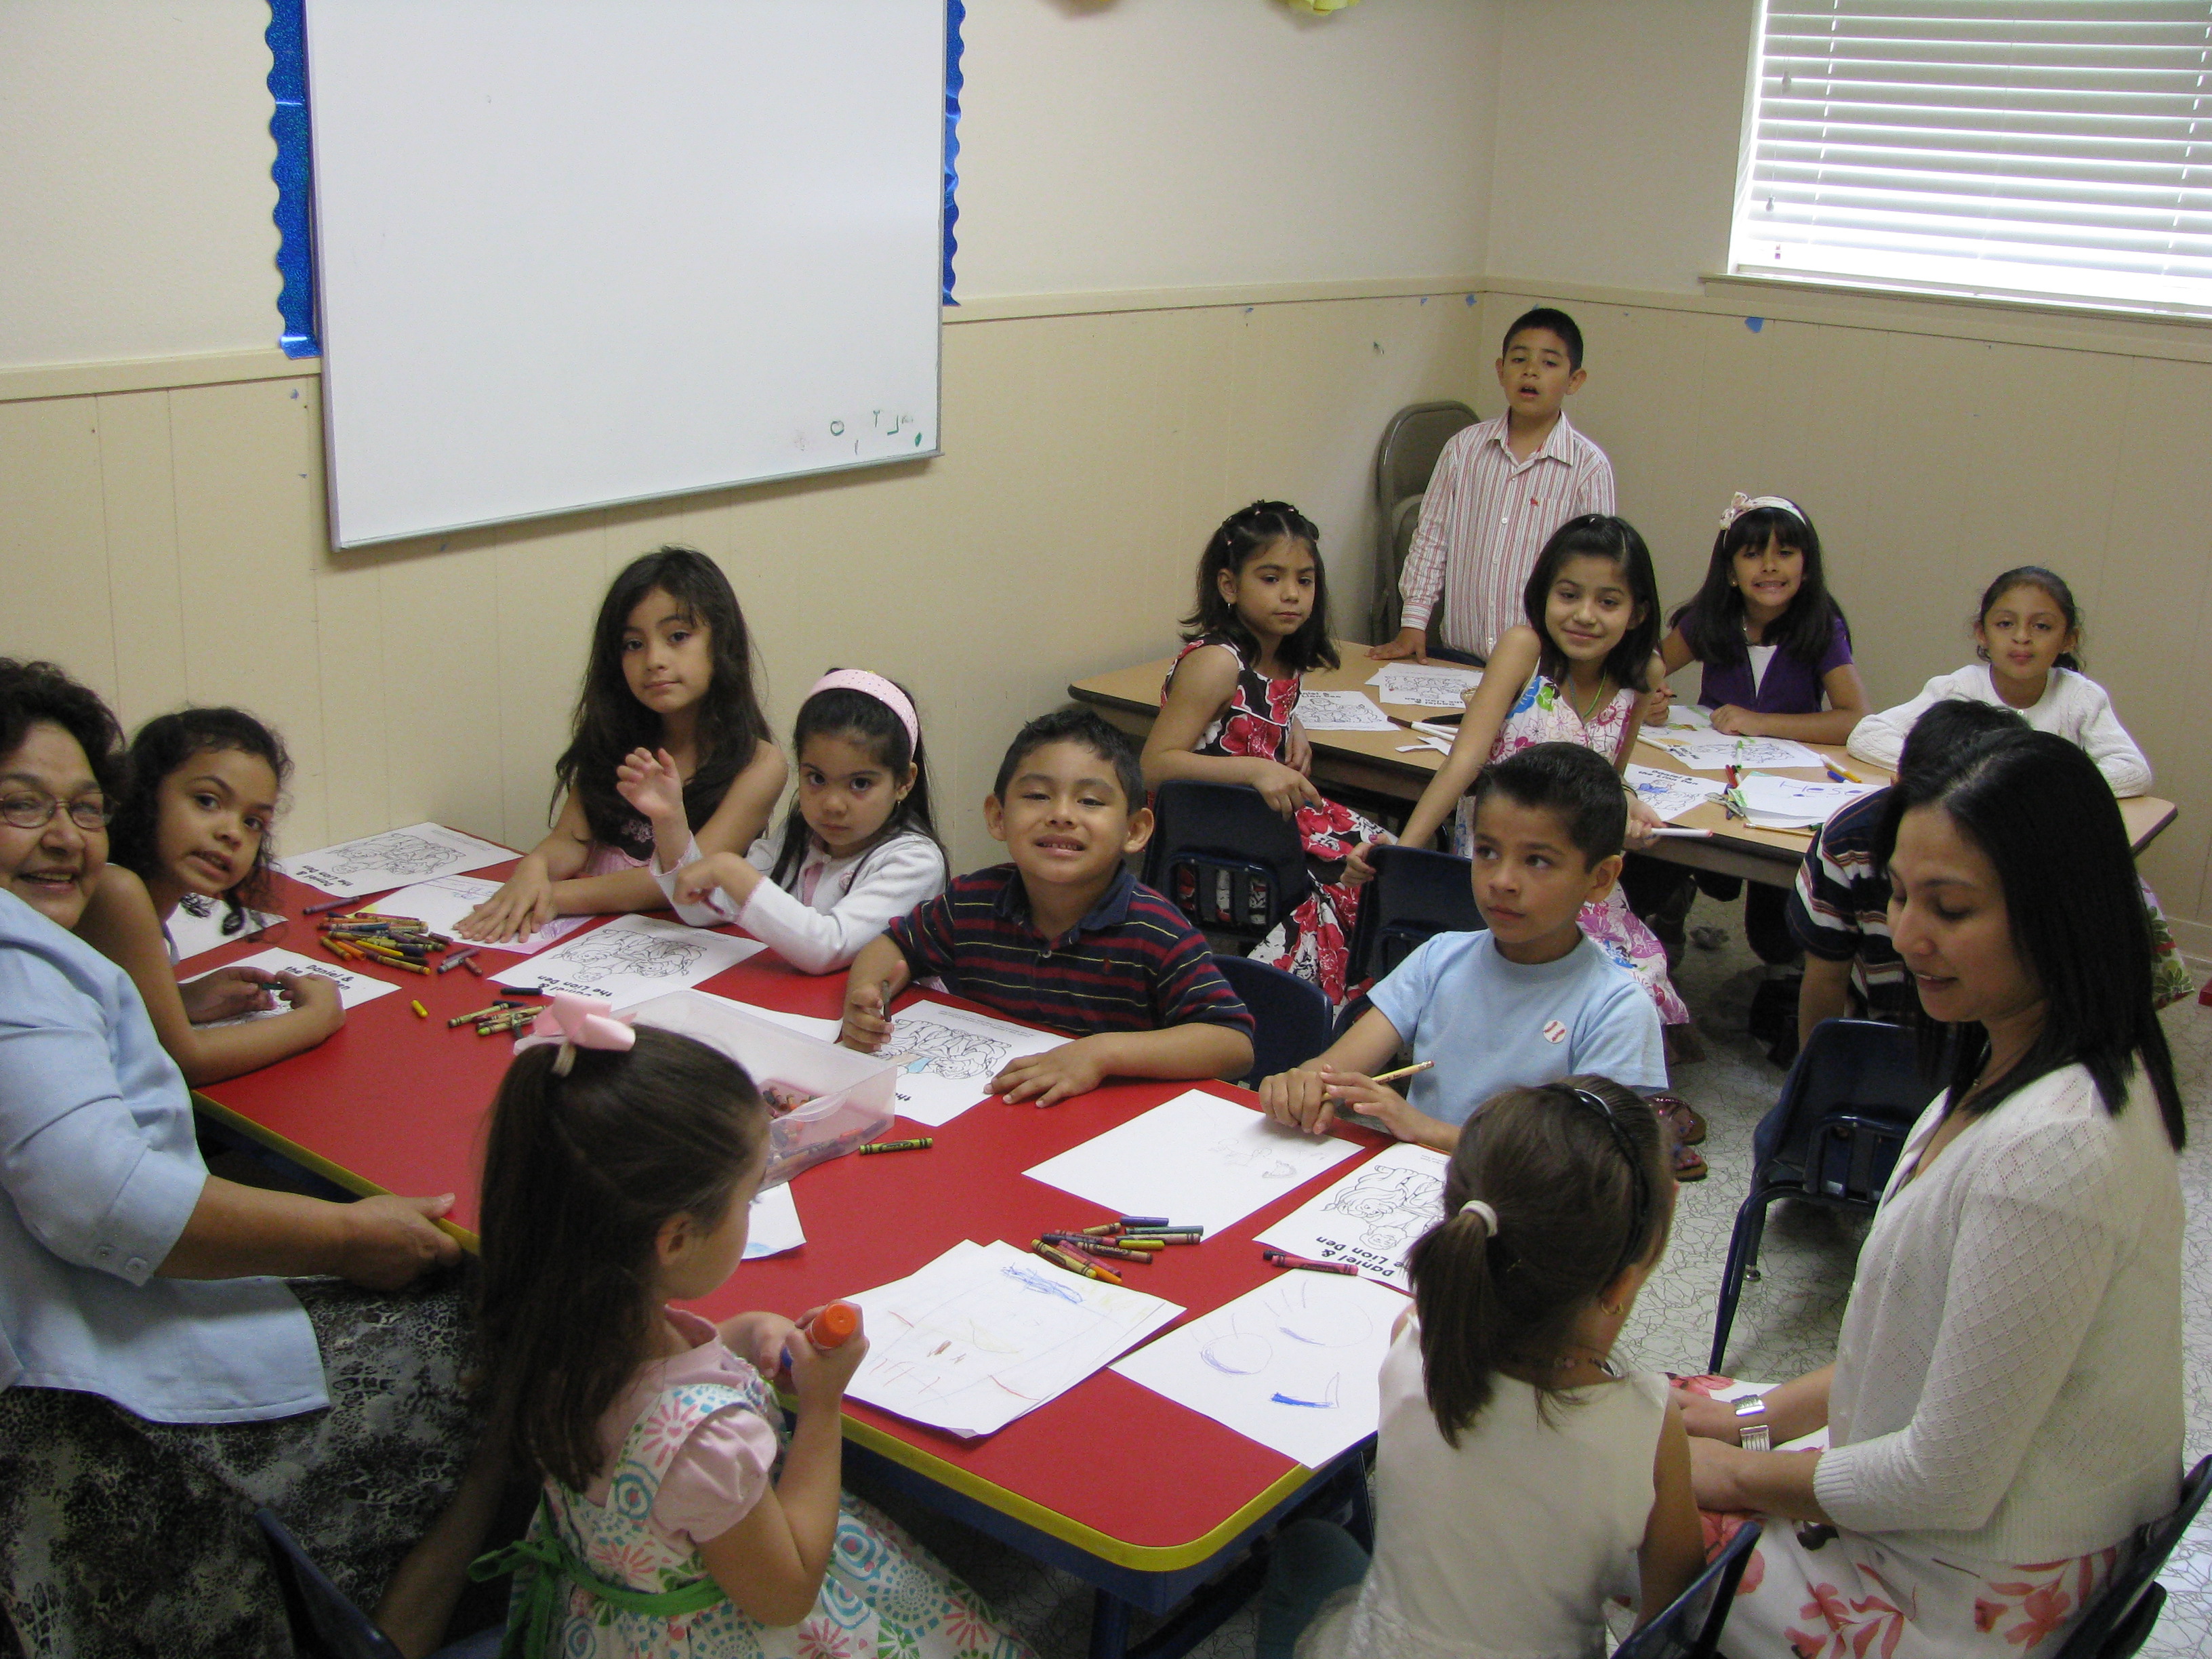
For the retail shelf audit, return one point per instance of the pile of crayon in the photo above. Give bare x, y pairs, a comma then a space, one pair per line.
1134, 1239
401, 942
507, 1014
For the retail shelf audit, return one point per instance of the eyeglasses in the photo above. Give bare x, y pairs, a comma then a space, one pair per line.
29, 812
1641, 1213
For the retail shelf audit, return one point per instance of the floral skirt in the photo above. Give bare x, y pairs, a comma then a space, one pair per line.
1848, 1596
120, 1537
1315, 940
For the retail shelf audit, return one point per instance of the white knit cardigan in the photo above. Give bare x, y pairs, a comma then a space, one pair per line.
2009, 1384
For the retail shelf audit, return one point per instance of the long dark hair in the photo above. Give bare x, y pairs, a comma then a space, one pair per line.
874, 725
1574, 1172
1713, 620
162, 745
2052, 585
1248, 531
609, 722
2045, 816
581, 1173
1598, 536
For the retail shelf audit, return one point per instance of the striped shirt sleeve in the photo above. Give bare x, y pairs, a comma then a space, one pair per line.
924, 936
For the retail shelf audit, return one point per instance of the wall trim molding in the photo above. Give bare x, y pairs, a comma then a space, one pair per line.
151, 374
1007, 308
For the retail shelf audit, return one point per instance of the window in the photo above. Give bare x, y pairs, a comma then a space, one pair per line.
2003, 148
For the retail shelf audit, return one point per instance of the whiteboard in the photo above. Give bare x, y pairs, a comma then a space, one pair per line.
574, 253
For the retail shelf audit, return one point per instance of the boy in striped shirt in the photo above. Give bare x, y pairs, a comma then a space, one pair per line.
1064, 936
1500, 489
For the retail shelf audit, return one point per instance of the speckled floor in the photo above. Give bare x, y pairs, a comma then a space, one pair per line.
1785, 1324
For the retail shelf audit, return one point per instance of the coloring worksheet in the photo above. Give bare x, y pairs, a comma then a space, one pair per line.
1795, 803
1670, 794
1424, 685
947, 1057
1708, 750
196, 926
772, 1223
630, 960
1341, 711
987, 1333
1292, 1365
1688, 715
440, 903
354, 988
1199, 1160
392, 859
1370, 1217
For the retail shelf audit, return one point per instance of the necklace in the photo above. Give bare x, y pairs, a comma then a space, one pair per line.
1584, 715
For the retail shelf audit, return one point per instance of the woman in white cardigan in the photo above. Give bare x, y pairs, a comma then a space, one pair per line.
2005, 1408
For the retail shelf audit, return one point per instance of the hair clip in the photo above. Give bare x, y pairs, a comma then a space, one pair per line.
575, 1023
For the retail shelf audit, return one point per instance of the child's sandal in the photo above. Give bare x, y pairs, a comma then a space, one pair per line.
1689, 1165
1678, 1115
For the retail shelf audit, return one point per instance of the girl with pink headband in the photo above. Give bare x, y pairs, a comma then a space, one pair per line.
857, 848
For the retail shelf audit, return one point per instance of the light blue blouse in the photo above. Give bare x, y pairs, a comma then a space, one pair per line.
101, 1173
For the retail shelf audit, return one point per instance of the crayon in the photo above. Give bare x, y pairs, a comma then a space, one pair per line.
421, 1013
1104, 1229
469, 961
1403, 1070
404, 966
481, 1013
1166, 1232
1144, 1221
1280, 1260
1115, 1252
1138, 1242
318, 909
524, 991
1075, 1264
456, 960
918, 1144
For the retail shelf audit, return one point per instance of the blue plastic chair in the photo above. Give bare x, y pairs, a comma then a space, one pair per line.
1225, 859
1415, 893
1832, 1138
2119, 1621
324, 1624
1691, 1626
1289, 1016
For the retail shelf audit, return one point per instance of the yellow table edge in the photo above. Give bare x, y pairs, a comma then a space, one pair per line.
1138, 1556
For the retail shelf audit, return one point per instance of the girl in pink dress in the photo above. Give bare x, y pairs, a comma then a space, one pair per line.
1576, 671
1228, 714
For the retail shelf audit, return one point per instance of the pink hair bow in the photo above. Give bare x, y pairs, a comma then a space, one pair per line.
575, 1023
1739, 504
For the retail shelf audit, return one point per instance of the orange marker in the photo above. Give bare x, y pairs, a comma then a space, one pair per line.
834, 1326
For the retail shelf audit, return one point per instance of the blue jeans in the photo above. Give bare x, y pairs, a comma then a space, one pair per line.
1312, 1560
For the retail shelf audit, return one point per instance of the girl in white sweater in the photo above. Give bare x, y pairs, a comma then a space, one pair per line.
1522, 1477
857, 847
2005, 1408
2027, 634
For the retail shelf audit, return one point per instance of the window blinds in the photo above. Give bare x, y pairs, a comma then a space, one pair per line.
1991, 147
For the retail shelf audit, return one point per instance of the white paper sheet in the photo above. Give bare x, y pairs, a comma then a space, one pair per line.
1425, 740
1199, 1160
1341, 711
772, 1225
1424, 685
354, 988
631, 959
195, 926
392, 859
948, 1056
1670, 794
440, 905
1292, 1365
1688, 715
1370, 1217
1795, 803
987, 1333
1713, 751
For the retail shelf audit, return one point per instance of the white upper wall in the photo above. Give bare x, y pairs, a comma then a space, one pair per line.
1105, 145
1618, 126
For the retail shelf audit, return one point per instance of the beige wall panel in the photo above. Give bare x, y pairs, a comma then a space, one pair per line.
439, 683
138, 505
249, 544
352, 654
55, 542
549, 579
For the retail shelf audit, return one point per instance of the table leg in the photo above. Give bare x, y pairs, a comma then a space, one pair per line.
1109, 1626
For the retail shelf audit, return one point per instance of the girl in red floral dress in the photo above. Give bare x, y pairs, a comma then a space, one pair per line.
1228, 714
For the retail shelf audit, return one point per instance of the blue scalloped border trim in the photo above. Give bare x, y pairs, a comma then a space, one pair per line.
955, 14
294, 171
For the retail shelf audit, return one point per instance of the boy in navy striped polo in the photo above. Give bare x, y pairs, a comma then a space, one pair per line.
1064, 936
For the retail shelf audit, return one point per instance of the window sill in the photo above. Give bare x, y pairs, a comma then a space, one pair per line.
2113, 311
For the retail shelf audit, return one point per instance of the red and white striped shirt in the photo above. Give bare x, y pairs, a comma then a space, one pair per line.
1485, 519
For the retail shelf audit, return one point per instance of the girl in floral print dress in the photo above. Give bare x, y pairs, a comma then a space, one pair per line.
619, 1172
1228, 714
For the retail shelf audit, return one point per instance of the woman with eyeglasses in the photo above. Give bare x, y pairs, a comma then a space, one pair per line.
159, 1378
2005, 1407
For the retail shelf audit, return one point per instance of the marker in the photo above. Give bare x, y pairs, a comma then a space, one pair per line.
834, 1326
1733, 780
1403, 1070
1678, 832
918, 1144
1839, 775
319, 909
421, 1013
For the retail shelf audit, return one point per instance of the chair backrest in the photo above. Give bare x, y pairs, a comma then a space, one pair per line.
1415, 893
1227, 859
324, 1624
1691, 1626
1398, 524
2119, 1620
1290, 1017
1412, 441
1850, 1100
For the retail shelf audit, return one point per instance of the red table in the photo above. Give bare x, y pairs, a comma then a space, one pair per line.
1138, 1495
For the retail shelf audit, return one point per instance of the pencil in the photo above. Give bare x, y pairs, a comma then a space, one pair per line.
1403, 1070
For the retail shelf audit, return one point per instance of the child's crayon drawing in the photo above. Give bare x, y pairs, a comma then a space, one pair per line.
1371, 1218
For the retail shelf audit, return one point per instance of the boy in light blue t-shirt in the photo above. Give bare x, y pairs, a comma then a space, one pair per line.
1528, 1001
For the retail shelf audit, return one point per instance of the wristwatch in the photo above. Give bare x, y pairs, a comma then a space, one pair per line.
1753, 1436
